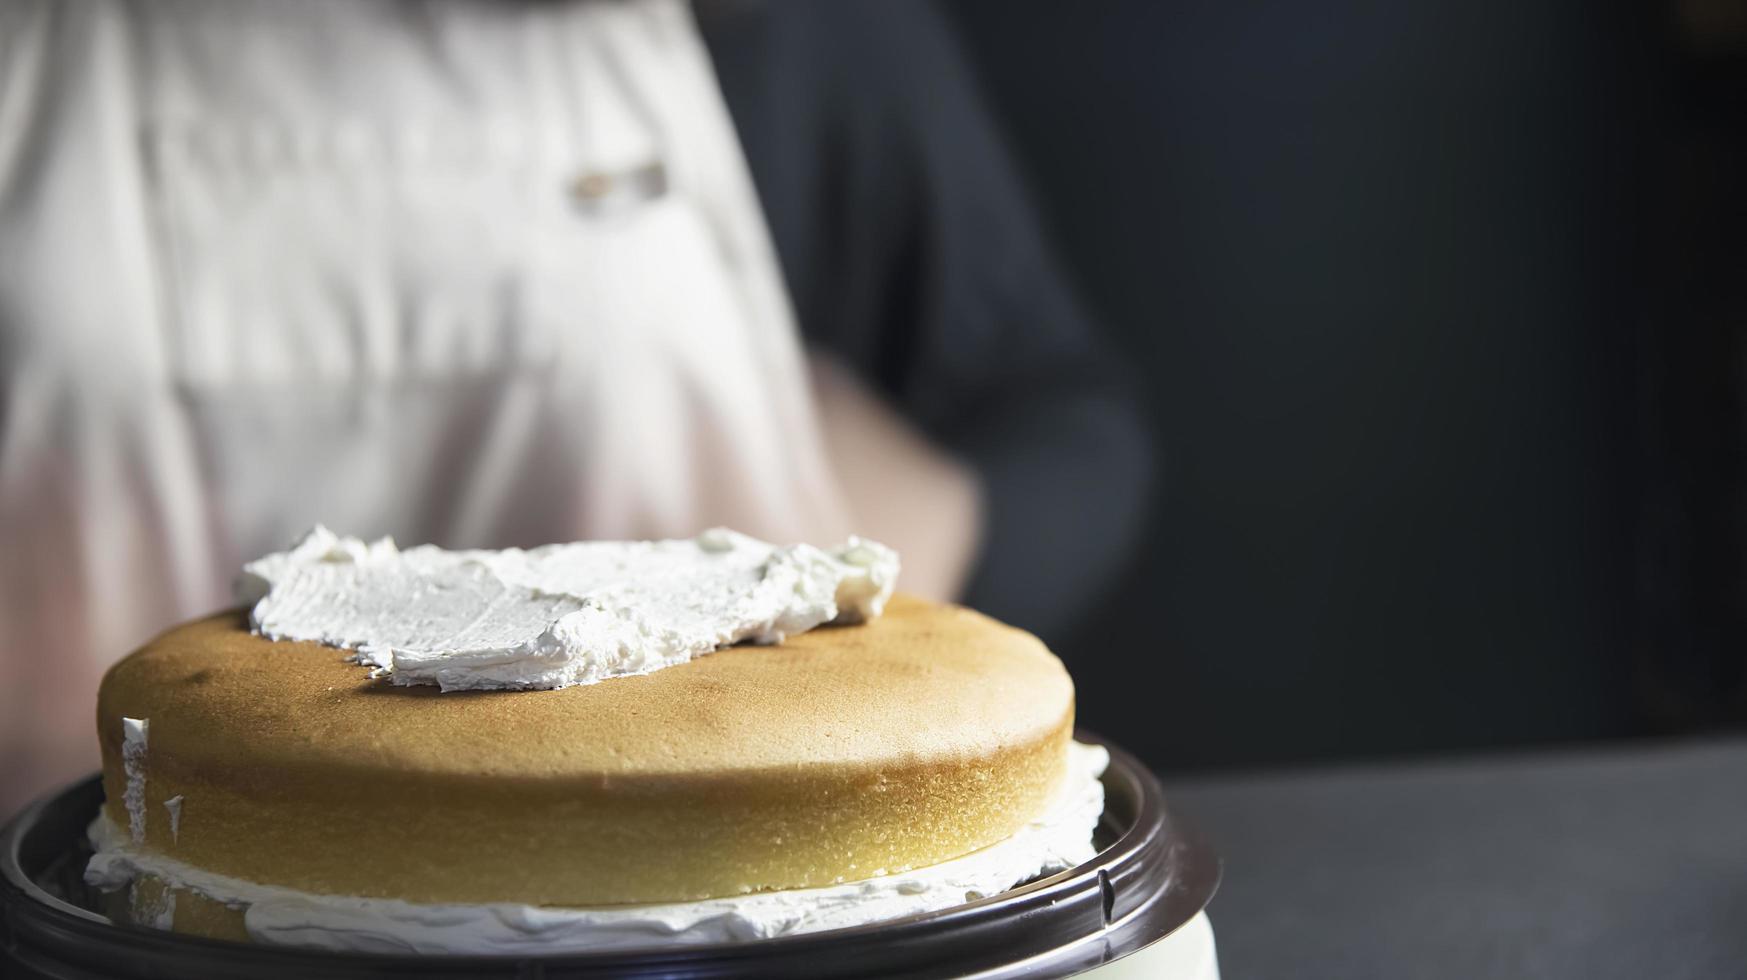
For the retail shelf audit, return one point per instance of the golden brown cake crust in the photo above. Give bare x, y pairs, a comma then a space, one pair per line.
924, 735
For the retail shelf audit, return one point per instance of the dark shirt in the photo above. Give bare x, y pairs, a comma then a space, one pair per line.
912, 253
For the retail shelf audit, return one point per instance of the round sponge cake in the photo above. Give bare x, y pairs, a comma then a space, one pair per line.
840, 754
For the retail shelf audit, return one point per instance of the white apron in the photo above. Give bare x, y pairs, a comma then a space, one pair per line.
475, 273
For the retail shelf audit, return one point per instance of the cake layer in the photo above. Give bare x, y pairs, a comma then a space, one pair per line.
840, 754
150, 889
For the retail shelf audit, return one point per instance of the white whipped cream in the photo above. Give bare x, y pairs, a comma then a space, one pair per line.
153, 907
557, 615
1058, 839
133, 766
174, 806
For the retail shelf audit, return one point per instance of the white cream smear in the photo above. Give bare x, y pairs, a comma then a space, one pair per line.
174, 806
133, 766
1057, 839
557, 615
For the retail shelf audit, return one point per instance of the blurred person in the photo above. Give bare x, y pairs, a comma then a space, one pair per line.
489, 274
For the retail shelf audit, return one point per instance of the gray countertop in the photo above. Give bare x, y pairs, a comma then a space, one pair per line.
1594, 863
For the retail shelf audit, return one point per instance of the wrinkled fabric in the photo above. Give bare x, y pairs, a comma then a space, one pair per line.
479, 274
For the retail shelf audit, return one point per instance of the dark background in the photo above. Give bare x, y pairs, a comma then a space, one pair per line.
1435, 307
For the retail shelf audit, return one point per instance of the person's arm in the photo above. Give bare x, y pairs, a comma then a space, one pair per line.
901, 488
915, 258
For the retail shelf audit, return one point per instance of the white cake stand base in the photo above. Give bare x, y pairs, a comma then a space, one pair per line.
1186, 954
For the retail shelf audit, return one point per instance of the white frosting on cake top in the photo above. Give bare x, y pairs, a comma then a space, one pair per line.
557, 615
